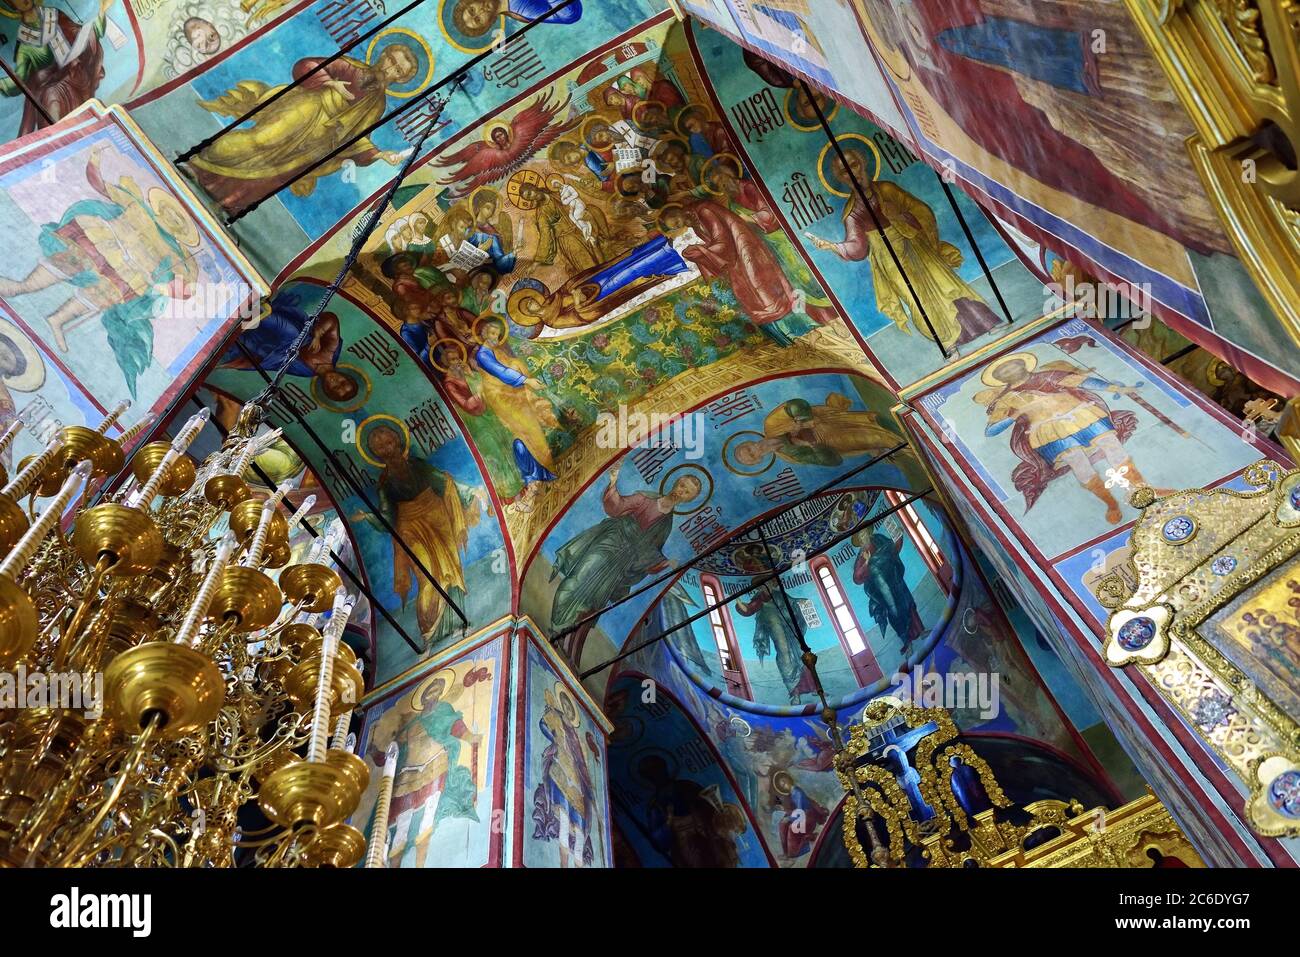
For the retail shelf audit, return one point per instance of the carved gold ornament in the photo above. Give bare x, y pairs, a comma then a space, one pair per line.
924, 811
1235, 65
1214, 623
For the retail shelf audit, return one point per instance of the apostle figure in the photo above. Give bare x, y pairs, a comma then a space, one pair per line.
564, 804
880, 571
825, 434
332, 108
57, 59
956, 311
432, 784
514, 396
475, 18
271, 340
423, 505
802, 815
774, 630
601, 564
735, 250
689, 823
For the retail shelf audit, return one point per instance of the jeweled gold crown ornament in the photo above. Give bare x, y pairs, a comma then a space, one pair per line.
1211, 613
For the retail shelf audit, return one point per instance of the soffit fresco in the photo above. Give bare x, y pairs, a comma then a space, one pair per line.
466, 353
722, 294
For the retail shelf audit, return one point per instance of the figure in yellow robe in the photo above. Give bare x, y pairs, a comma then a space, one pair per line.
511, 393
556, 231
956, 311
327, 109
424, 506
825, 434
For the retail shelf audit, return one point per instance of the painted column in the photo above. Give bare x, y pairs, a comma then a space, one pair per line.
1038, 445
501, 759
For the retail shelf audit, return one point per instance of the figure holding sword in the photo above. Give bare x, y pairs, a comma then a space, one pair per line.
1060, 423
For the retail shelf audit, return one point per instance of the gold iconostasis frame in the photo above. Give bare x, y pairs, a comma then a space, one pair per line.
1210, 625
1235, 66
1042, 834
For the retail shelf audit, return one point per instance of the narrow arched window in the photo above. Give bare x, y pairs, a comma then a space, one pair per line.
724, 638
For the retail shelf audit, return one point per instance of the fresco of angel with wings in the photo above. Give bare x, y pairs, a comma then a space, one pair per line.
531, 130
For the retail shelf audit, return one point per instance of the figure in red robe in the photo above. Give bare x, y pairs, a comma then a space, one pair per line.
735, 250
964, 59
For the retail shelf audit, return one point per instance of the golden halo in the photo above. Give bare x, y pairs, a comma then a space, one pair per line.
445, 676
433, 348
488, 317
641, 106
783, 782
33, 375
688, 467
484, 190
680, 124
590, 124
707, 168
990, 374
490, 35
381, 417
659, 219
573, 717
486, 133
517, 299
161, 201
790, 94
363, 390
411, 34
726, 446
516, 183
821, 163
662, 146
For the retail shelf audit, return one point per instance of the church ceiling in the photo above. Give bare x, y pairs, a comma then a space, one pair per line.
628, 268
627, 246
1086, 149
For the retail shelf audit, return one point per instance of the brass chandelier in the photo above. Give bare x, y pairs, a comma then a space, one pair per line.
220, 686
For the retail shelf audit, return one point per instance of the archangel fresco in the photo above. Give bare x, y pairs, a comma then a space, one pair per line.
116, 283
445, 725
1073, 420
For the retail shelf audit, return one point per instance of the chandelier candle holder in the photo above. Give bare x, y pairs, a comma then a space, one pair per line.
6, 440
315, 795
13, 517
378, 852
206, 709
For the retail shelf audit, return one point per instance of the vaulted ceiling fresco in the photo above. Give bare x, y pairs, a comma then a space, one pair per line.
1059, 119
604, 251
648, 317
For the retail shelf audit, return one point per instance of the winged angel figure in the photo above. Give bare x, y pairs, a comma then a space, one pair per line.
531, 130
